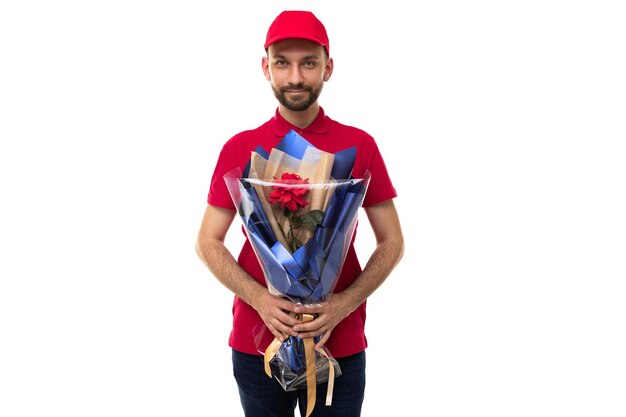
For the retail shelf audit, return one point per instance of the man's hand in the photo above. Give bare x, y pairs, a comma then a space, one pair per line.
276, 313
327, 317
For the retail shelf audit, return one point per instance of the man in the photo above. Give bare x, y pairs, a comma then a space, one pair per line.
297, 64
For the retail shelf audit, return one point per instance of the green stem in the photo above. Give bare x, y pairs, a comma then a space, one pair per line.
290, 232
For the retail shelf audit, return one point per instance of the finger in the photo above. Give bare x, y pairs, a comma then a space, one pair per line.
286, 304
309, 326
314, 332
322, 342
287, 319
277, 334
283, 328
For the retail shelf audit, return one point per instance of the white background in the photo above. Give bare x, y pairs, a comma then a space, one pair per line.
502, 124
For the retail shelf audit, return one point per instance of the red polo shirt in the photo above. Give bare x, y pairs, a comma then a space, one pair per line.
249, 334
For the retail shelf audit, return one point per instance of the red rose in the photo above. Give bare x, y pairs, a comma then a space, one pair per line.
290, 197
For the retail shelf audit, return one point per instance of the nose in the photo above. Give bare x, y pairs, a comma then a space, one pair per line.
295, 75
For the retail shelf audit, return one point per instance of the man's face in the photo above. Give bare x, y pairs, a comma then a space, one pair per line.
297, 70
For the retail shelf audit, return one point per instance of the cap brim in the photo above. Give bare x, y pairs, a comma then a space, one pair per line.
294, 36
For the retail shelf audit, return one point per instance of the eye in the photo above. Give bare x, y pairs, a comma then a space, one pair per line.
309, 64
280, 63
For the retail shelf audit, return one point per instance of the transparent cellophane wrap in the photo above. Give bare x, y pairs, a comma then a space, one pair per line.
305, 272
306, 275
288, 363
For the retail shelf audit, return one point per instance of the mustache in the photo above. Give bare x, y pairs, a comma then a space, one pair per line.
290, 87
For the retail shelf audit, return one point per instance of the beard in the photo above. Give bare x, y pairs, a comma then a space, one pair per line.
303, 100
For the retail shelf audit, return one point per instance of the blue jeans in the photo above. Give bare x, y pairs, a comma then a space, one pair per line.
262, 396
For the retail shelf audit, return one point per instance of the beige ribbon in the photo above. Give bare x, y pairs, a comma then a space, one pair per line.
309, 354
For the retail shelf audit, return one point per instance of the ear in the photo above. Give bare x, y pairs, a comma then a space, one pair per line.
265, 64
328, 69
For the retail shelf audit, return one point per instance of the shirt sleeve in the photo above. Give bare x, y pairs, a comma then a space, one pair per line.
380, 187
218, 192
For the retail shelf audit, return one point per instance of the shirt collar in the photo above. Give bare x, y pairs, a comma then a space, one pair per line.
281, 127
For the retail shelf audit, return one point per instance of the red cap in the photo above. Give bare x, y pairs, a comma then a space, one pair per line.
297, 24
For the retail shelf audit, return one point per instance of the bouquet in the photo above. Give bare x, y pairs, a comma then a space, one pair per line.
299, 207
